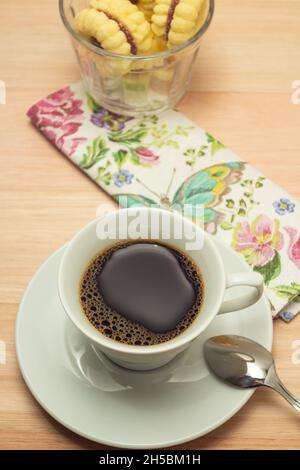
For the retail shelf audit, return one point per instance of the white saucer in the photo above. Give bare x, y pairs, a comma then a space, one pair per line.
107, 404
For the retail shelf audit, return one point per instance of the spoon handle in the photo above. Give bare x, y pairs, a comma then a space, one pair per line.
274, 382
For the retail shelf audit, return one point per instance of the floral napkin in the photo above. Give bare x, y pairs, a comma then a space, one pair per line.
168, 160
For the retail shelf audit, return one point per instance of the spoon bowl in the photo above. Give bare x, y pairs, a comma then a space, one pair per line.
244, 363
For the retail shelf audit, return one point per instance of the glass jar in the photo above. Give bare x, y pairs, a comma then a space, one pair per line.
133, 85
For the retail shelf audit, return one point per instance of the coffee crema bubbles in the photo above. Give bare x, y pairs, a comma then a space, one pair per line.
141, 292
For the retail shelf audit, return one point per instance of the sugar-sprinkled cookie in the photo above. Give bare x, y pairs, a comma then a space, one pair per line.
178, 20
130, 21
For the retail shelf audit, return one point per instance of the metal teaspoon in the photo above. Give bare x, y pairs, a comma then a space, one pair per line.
244, 363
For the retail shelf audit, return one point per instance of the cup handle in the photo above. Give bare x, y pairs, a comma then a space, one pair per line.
254, 280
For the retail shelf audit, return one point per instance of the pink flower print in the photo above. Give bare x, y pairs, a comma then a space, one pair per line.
147, 157
59, 116
259, 241
294, 246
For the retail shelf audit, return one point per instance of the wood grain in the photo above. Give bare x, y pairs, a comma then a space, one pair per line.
241, 92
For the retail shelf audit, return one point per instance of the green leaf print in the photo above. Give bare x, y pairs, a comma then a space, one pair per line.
230, 203
94, 153
247, 182
215, 145
192, 154
129, 137
134, 158
226, 225
288, 291
242, 212
183, 131
104, 175
120, 158
271, 270
172, 143
92, 105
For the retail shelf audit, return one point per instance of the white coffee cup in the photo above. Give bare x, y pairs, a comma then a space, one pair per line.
86, 244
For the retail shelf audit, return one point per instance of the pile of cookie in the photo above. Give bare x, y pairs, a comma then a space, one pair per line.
140, 27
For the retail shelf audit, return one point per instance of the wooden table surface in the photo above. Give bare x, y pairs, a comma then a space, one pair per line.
241, 92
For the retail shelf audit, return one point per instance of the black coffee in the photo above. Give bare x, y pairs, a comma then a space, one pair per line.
141, 293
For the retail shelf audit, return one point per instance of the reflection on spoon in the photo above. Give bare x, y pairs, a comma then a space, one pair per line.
244, 363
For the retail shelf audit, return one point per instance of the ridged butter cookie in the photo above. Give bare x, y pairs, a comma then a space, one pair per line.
131, 24
178, 20
146, 6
